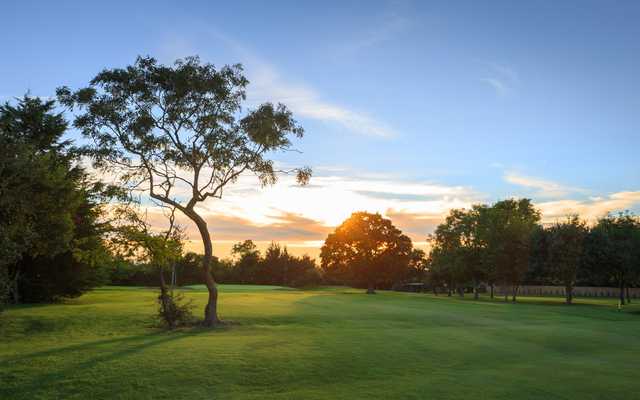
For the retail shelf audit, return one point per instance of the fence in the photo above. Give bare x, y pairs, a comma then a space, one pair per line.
578, 291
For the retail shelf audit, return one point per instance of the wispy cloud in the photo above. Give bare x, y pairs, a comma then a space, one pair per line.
589, 209
384, 28
541, 187
499, 86
503, 79
267, 83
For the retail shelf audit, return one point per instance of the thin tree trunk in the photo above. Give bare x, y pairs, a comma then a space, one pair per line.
174, 278
16, 287
164, 299
371, 289
514, 293
461, 291
568, 291
628, 295
491, 291
621, 292
475, 290
211, 309
435, 290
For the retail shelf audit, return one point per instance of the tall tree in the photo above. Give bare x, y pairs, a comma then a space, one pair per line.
509, 240
448, 256
50, 238
367, 250
612, 249
175, 132
565, 252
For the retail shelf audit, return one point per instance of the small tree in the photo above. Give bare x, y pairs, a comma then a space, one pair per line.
134, 239
176, 133
366, 250
565, 252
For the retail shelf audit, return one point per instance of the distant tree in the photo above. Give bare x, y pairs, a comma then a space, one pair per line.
366, 250
176, 133
303, 272
611, 250
509, 240
442, 272
565, 252
449, 257
247, 264
469, 225
539, 272
459, 248
189, 268
417, 266
275, 265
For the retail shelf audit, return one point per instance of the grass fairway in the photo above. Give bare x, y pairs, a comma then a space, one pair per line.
321, 344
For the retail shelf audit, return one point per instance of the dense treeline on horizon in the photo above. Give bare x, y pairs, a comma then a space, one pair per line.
505, 244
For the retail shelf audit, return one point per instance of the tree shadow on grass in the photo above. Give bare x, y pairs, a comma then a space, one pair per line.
145, 340
124, 347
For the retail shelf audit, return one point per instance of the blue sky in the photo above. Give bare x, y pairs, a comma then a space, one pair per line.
410, 108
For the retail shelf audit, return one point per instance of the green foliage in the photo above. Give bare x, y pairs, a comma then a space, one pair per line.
50, 238
366, 250
492, 244
173, 309
38, 181
566, 251
613, 250
132, 237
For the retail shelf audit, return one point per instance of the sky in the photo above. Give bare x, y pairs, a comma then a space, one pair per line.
409, 108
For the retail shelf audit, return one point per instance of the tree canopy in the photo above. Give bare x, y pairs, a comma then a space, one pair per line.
177, 133
367, 251
50, 234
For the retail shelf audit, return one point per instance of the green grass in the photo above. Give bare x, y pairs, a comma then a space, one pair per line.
321, 344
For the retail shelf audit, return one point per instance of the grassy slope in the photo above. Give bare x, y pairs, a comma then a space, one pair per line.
321, 344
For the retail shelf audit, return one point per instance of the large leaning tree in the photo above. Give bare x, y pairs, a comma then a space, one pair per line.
177, 133
366, 250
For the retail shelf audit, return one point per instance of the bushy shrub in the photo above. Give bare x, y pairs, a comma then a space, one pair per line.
173, 309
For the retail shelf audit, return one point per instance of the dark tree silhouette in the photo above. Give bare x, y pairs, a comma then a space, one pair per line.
366, 250
50, 238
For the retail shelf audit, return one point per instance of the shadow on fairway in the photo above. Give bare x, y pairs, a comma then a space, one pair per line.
134, 344
123, 347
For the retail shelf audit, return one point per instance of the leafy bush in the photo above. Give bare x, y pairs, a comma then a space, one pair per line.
173, 309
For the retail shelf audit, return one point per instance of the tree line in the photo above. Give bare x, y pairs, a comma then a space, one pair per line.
505, 244
276, 266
